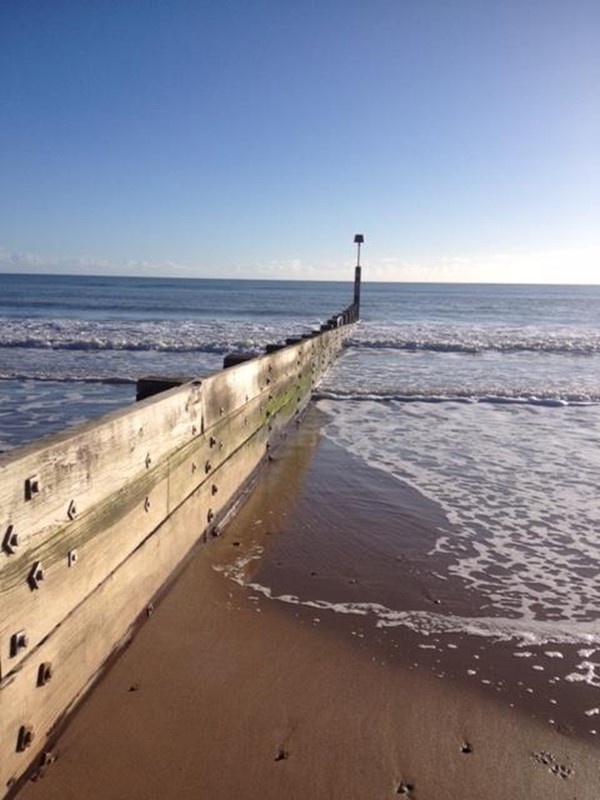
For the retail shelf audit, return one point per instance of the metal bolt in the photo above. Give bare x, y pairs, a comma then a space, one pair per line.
207, 467
148, 460
32, 487
210, 515
72, 510
25, 737
10, 541
212, 441
214, 489
18, 641
44, 673
147, 504
72, 557
36, 575
194, 467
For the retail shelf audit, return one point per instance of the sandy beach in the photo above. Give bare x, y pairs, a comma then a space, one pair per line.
263, 674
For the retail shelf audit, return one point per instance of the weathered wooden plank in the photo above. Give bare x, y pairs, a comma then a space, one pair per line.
104, 536
41, 484
79, 647
91, 461
150, 385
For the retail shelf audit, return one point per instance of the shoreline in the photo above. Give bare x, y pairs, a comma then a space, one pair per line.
225, 693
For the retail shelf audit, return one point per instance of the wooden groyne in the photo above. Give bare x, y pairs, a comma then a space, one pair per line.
87, 535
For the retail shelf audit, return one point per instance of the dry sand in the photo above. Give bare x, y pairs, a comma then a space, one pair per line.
225, 694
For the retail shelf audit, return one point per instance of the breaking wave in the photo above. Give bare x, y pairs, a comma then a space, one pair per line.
551, 400
475, 339
220, 336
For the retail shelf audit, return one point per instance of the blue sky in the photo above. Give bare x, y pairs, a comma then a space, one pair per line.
253, 139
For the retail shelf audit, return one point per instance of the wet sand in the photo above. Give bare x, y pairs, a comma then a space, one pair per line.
226, 693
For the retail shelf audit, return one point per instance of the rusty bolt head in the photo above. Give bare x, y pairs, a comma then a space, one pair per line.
10, 541
36, 575
72, 510
18, 641
212, 441
32, 487
214, 489
25, 737
44, 673
207, 467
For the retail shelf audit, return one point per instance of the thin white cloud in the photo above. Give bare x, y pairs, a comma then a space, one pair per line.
23, 262
569, 265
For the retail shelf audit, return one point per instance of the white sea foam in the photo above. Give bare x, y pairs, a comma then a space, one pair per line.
464, 337
518, 487
189, 336
521, 377
588, 672
525, 632
218, 333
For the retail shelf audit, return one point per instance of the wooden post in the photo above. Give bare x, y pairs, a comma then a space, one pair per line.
358, 240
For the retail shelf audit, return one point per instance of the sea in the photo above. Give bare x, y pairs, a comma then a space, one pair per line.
484, 399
